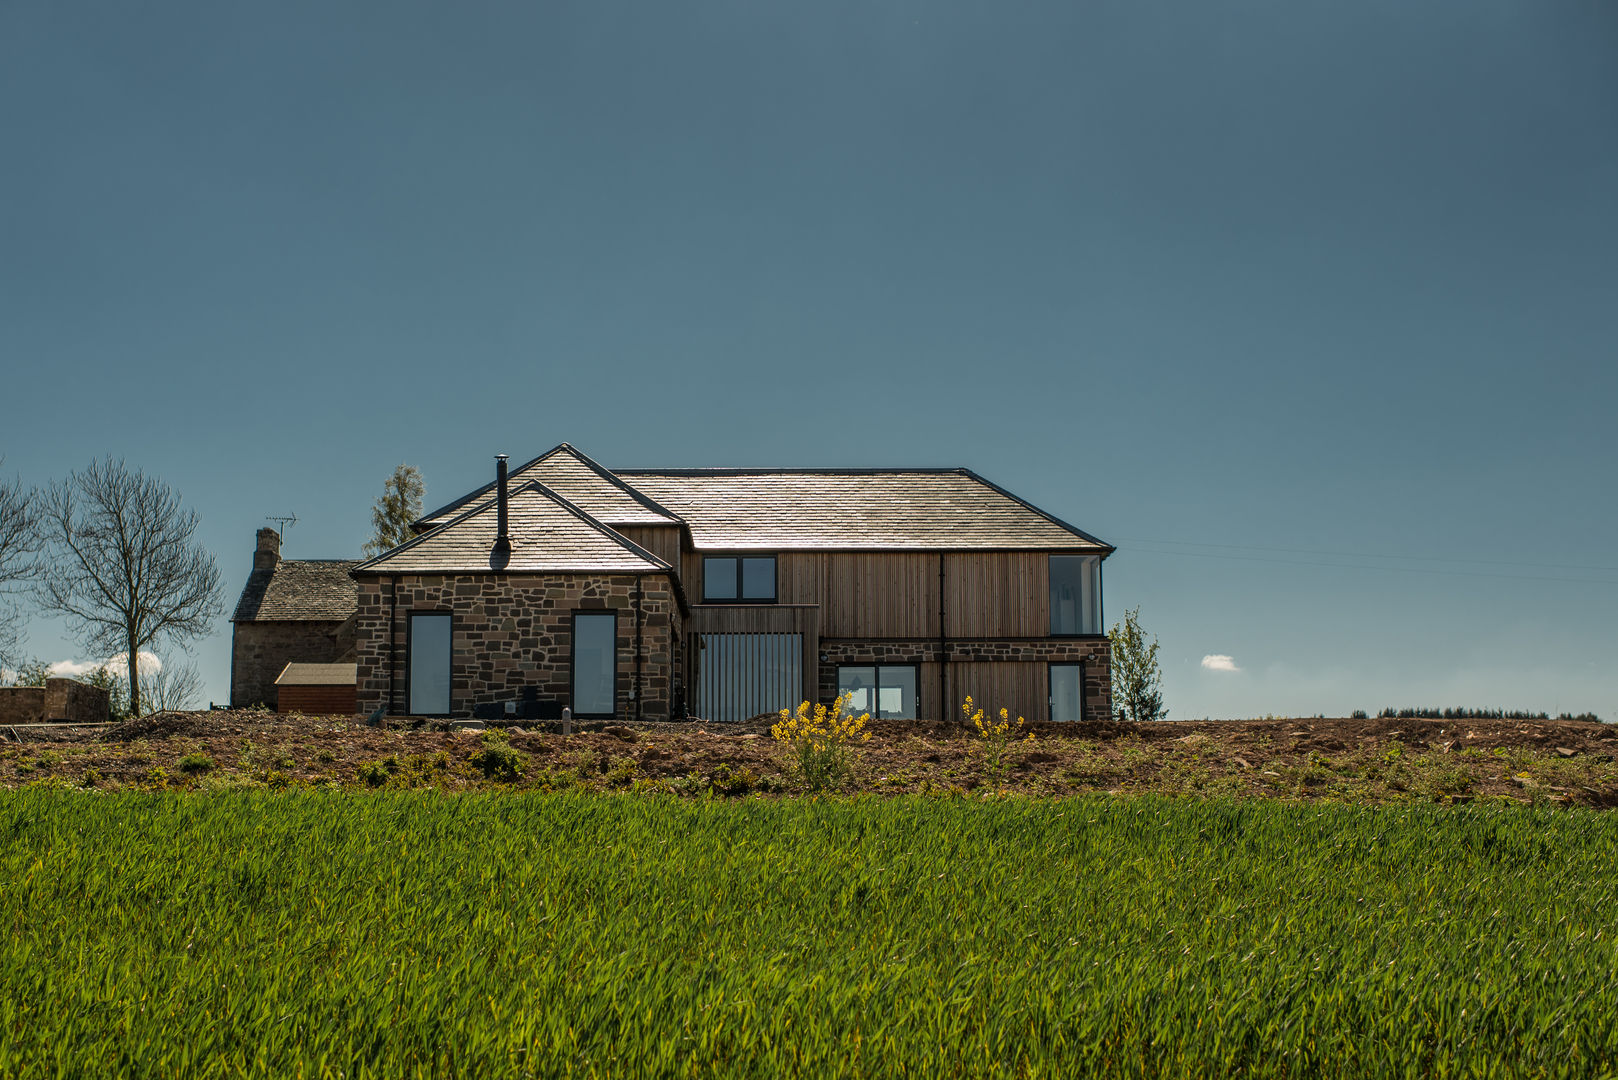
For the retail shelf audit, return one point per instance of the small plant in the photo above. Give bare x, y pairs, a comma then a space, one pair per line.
195, 762
377, 773
997, 735
92, 777
325, 757
246, 759
729, 781
821, 741
157, 776
48, 759
621, 770
498, 759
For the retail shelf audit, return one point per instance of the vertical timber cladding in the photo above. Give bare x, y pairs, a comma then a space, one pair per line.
744, 675
988, 594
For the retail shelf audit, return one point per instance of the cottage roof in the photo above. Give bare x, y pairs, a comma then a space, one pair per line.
854, 509
318, 675
299, 590
573, 476
548, 533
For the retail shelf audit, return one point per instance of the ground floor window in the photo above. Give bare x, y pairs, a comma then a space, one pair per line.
595, 664
1067, 693
430, 652
886, 691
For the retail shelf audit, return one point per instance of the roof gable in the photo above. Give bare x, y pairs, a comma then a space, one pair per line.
548, 534
572, 475
299, 590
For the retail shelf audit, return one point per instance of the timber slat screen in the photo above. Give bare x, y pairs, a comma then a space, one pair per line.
743, 675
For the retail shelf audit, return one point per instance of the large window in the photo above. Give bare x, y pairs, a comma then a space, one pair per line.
1075, 595
595, 664
886, 691
739, 579
430, 648
1067, 692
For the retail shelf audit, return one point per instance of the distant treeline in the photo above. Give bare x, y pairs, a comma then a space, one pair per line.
1464, 713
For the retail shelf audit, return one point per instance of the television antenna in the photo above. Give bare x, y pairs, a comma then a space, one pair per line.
282, 522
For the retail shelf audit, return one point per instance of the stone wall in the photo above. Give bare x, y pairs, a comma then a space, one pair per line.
261, 650
513, 634
66, 700
1029, 654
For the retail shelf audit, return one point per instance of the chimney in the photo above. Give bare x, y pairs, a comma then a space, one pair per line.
502, 540
268, 553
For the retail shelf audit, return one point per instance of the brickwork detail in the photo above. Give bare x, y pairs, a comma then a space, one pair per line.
261, 650
1095, 653
512, 633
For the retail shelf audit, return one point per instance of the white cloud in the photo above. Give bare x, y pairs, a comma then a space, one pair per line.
1219, 662
117, 665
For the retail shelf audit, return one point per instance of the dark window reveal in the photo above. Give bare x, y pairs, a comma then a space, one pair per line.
739, 579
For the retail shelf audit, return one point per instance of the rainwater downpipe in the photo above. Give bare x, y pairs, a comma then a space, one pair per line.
639, 584
943, 650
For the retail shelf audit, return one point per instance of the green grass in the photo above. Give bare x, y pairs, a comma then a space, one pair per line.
411, 933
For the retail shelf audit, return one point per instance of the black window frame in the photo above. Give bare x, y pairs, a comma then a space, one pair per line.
1050, 690
410, 652
573, 662
876, 713
739, 598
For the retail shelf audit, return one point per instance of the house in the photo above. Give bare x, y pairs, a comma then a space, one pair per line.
290, 611
728, 593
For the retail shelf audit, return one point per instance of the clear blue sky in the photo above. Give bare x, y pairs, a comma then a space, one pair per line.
1295, 278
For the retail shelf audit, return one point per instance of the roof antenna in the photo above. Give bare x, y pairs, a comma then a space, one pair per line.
284, 522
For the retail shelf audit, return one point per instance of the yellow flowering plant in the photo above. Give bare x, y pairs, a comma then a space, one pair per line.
821, 740
997, 734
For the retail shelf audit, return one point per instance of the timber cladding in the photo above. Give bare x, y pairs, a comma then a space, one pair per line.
512, 635
316, 700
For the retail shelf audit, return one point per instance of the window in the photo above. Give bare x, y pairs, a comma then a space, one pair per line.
886, 691
1075, 595
1067, 693
731, 579
430, 653
595, 664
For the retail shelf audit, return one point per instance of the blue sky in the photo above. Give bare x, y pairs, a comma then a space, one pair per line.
1308, 307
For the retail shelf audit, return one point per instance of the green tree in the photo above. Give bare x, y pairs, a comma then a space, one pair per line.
399, 505
1135, 675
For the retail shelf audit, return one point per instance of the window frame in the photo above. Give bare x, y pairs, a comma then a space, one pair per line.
410, 652
1050, 690
573, 662
737, 558
876, 713
1100, 615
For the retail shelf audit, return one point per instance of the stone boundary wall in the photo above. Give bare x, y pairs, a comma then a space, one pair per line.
514, 633
59, 700
1094, 652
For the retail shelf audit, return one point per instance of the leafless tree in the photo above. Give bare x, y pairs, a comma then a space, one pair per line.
19, 546
123, 565
174, 687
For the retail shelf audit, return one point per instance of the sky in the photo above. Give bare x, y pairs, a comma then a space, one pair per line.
1308, 307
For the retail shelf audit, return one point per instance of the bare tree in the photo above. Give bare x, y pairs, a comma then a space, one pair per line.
19, 544
123, 565
174, 687
398, 506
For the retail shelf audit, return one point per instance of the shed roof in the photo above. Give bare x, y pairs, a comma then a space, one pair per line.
579, 480
548, 534
299, 590
854, 509
318, 675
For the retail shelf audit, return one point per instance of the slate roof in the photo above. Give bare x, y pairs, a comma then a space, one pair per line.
548, 533
580, 481
854, 509
299, 590
318, 675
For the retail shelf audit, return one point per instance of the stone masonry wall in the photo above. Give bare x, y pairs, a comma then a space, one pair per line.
514, 632
59, 699
1095, 653
261, 650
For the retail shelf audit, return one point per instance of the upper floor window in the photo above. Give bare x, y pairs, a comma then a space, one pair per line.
739, 579
1075, 595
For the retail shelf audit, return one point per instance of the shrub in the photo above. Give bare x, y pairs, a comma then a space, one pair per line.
498, 759
195, 762
376, 773
997, 735
621, 769
822, 742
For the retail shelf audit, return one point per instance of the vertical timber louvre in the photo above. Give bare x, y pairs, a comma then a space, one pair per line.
743, 675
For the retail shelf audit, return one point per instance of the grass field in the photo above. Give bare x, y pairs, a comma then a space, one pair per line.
407, 933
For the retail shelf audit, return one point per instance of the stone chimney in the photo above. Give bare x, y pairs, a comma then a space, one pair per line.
268, 554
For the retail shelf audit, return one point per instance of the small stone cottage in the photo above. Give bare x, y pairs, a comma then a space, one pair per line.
290, 611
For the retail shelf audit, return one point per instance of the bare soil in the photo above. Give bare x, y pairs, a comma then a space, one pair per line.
1377, 760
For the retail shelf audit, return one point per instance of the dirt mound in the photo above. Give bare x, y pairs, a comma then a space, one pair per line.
214, 722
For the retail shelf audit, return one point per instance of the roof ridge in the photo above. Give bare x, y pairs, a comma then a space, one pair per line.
578, 455
743, 470
600, 526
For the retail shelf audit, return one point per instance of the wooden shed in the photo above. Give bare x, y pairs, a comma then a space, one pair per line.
316, 689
